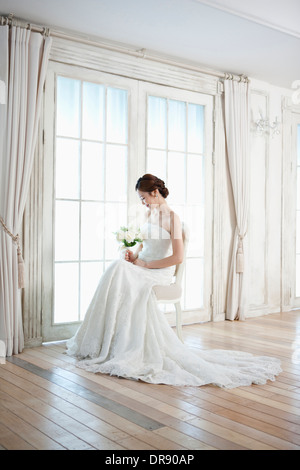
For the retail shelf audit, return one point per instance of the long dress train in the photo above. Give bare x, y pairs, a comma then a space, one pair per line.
124, 333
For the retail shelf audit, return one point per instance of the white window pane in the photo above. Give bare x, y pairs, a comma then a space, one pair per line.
156, 163
90, 277
66, 230
177, 126
67, 168
194, 218
68, 107
92, 227
117, 116
157, 122
93, 96
195, 179
195, 128
176, 177
116, 173
66, 293
92, 171
115, 217
194, 283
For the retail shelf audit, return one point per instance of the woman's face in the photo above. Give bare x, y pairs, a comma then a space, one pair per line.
147, 198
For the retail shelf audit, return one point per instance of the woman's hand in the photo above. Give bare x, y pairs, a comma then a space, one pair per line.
140, 262
129, 256
132, 258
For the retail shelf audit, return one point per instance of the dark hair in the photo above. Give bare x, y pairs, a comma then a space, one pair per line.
149, 183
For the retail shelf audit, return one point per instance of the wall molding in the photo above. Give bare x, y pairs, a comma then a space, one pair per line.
262, 307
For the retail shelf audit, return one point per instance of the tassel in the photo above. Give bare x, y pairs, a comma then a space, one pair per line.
21, 270
21, 265
240, 258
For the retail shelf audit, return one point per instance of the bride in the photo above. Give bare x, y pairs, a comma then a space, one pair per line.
125, 334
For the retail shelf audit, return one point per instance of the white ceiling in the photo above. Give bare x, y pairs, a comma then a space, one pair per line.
260, 38
282, 15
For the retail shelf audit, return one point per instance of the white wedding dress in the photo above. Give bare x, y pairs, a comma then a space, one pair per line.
125, 334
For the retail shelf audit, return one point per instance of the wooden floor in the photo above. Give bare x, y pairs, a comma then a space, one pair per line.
48, 403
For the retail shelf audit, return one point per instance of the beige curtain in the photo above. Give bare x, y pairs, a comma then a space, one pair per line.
236, 96
23, 63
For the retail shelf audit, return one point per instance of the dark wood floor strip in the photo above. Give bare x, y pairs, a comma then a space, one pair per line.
97, 398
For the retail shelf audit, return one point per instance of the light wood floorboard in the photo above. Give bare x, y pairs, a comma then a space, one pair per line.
47, 403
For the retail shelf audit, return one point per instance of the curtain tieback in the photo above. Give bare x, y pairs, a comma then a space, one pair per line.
21, 266
240, 255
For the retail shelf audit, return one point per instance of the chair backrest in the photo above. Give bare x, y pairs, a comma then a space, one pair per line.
180, 267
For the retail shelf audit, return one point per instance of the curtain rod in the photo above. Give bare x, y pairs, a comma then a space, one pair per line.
11, 21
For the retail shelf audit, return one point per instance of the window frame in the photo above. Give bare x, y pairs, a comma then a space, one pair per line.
136, 167
59, 331
146, 89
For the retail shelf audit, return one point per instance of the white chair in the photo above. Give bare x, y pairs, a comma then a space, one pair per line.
172, 294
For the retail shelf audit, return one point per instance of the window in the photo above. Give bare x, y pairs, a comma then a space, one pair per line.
175, 152
91, 150
102, 132
178, 148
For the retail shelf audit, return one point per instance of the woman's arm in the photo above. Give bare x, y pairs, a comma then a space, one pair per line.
177, 245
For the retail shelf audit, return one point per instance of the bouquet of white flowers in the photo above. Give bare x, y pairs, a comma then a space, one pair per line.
128, 236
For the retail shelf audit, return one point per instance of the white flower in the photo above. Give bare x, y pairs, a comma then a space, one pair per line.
129, 236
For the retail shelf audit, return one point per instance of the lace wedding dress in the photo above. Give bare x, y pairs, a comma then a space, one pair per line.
125, 334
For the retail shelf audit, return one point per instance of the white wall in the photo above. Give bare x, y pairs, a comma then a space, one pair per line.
268, 167
265, 215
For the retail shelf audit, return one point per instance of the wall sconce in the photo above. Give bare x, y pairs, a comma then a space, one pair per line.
263, 126
2, 92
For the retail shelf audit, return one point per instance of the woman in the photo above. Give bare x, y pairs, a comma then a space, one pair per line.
125, 334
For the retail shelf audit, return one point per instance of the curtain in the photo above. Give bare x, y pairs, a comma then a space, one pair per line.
23, 62
236, 103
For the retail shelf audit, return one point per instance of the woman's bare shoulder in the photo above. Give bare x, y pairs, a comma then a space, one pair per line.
174, 217
175, 225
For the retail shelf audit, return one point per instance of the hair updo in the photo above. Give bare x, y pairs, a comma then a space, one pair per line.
149, 183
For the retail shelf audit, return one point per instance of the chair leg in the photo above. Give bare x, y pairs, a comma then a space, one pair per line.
178, 321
